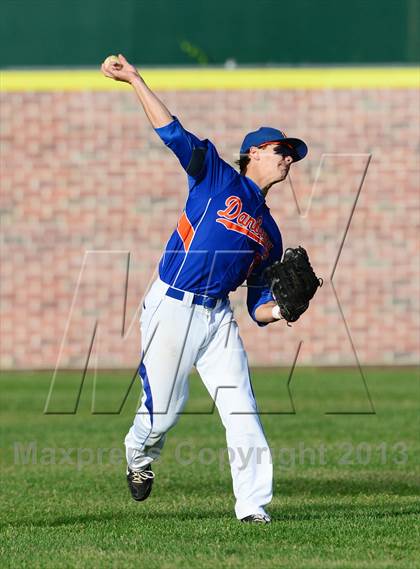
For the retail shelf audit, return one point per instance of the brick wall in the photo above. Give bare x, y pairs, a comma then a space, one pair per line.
88, 191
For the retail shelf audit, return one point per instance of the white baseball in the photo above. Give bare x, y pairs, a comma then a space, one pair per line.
111, 60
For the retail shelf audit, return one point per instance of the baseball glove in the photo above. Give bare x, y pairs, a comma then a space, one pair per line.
293, 283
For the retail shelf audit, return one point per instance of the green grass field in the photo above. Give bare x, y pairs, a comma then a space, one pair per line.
346, 485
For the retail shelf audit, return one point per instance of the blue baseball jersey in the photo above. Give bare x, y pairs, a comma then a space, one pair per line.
226, 234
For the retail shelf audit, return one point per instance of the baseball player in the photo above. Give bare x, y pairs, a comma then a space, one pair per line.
225, 235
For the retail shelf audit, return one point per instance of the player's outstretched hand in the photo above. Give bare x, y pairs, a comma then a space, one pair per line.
118, 68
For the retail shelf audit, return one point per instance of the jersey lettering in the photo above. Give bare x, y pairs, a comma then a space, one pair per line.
234, 219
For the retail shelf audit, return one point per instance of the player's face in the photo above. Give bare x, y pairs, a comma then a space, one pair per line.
276, 160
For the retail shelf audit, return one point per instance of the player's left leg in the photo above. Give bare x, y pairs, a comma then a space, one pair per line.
223, 367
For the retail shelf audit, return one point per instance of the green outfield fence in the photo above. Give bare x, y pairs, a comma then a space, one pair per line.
199, 32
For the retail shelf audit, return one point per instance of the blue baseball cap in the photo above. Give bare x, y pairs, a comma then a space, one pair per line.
268, 134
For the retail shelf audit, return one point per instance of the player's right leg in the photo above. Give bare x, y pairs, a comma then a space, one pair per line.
171, 336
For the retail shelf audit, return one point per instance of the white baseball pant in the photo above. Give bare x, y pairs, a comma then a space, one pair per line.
176, 335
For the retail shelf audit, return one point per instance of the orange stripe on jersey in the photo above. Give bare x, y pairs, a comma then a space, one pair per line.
185, 230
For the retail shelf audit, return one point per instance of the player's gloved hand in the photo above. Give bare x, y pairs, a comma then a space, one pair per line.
293, 284
118, 68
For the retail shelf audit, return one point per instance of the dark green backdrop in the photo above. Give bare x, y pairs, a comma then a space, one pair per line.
160, 32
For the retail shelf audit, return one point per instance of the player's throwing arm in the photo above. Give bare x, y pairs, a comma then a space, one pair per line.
118, 68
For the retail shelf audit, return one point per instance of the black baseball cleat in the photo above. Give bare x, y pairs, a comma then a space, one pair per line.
257, 519
140, 483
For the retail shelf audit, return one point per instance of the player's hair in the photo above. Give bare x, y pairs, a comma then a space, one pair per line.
243, 162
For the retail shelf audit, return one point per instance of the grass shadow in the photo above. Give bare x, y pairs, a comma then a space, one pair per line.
121, 516
367, 485
280, 514
334, 511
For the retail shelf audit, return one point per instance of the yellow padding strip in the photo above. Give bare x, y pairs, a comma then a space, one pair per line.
218, 79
